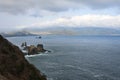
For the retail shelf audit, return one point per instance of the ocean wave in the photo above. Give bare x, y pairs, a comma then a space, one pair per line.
50, 79
35, 55
98, 75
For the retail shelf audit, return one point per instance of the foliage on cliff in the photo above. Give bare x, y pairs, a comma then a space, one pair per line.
14, 66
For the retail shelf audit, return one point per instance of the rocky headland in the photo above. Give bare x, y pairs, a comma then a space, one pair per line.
14, 66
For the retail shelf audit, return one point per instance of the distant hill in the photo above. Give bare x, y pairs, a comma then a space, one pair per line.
75, 31
19, 33
64, 31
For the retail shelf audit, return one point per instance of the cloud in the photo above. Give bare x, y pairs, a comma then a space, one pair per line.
99, 4
79, 21
24, 6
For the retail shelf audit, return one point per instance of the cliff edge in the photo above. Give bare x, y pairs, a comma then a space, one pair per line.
14, 66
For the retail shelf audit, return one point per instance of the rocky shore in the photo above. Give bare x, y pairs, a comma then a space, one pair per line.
14, 66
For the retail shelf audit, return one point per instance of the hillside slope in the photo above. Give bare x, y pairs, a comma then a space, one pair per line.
14, 66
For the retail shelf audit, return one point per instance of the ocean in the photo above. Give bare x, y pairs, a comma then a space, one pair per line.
76, 57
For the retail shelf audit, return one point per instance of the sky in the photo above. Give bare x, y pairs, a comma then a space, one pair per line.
21, 14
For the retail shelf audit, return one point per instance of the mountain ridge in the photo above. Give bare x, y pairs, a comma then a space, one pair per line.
64, 31
75, 31
18, 33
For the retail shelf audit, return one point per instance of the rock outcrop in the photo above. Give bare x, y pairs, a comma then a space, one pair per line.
13, 65
35, 50
32, 49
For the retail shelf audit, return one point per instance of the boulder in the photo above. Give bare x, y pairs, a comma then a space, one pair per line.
32, 50
40, 48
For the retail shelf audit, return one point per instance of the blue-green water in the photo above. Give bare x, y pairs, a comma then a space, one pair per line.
77, 57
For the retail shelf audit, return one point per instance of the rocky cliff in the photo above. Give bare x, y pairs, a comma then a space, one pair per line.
13, 65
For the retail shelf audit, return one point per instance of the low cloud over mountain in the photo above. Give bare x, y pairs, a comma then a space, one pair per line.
74, 31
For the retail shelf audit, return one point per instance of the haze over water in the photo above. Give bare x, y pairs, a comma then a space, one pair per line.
77, 57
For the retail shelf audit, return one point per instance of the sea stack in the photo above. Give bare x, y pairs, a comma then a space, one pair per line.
14, 66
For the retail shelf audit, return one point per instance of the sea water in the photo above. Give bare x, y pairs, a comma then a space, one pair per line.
76, 57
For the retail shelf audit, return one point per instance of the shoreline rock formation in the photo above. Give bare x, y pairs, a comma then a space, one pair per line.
31, 50
14, 66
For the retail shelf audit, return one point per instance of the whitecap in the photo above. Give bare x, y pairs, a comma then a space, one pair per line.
35, 55
50, 79
97, 75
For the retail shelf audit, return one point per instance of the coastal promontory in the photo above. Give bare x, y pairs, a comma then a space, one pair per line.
14, 66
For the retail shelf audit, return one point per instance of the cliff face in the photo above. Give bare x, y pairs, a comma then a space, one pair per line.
13, 65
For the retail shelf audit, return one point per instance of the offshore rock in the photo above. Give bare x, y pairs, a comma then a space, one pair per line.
14, 66
31, 50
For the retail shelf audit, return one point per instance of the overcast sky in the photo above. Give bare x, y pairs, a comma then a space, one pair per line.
19, 14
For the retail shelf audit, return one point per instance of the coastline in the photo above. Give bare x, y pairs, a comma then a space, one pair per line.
14, 66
